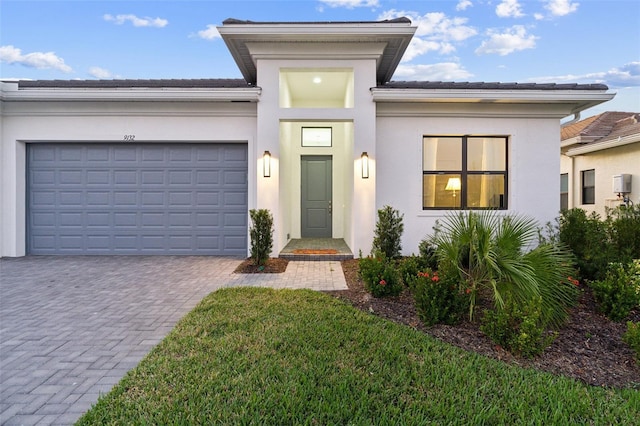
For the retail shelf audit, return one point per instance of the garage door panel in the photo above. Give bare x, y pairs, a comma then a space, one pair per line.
43, 177
125, 199
71, 198
98, 177
70, 153
70, 177
42, 198
235, 199
125, 177
153, 177
125, 219
144, 199
98, 153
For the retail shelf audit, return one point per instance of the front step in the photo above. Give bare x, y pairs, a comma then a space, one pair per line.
316, 249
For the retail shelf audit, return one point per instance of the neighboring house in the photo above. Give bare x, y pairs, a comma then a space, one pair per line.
600, 162
315, 132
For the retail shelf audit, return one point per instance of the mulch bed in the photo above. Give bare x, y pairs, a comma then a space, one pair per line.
274, 265
588, 348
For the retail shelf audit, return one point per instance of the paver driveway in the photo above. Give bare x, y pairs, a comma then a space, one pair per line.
71, 327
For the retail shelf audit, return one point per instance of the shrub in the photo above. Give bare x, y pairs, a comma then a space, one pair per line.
261, 235
488, 253
428, 254
596, 242
380, 276
437, 299
388, 233
518, 330
624, 230
409, 268
632, 337
619, 292
587, 237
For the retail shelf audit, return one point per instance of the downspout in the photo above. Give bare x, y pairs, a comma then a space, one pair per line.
576, 118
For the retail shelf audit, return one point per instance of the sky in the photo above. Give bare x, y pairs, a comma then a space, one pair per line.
539, 41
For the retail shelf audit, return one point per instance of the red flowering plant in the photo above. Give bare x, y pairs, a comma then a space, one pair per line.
380, 276
573, 281
438, 298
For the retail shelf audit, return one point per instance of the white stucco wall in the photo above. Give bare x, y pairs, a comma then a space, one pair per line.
28, 122
278, 192
606, 163
533, 169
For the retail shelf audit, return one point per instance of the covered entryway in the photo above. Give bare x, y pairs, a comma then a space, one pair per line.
142, 198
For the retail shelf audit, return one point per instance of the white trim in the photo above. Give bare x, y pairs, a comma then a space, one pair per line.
490, 96
134, 95
599, 146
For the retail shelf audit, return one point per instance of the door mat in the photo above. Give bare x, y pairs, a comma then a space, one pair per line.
315, 251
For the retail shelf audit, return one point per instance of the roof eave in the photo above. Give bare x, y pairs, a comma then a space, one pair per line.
395, 35
605, 144
578, 99
250, 94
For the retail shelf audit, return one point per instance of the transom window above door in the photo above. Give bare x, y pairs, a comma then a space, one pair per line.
464, 172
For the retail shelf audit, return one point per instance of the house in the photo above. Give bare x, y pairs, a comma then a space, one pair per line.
316, 132
600, 162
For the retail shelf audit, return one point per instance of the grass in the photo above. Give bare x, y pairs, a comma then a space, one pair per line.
263, 356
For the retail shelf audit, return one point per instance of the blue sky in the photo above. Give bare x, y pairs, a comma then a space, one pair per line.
587, 41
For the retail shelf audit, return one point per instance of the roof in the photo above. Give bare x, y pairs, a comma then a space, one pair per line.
607, 130
596, 127
385, 41
489, 86
128, 84
233, 21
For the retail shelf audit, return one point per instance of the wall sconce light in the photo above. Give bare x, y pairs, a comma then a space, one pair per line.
266, 164
365, 165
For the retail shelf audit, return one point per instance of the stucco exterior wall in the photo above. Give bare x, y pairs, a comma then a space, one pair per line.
606, 163
533, 164
86, 122
354, 132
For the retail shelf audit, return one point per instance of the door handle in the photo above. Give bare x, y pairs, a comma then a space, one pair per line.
330, 207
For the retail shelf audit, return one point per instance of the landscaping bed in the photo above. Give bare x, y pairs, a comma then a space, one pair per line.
274, 265
588, 348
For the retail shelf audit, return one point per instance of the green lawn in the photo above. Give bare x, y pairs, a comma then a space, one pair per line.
262, 356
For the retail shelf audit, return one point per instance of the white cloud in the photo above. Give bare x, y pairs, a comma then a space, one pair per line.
445, 71
351, 4
40, 60
512, 40
463, 5
509, 9
101, 73
538, 16
419, 47
211, 33
561, 7
436, 32
625, 76
135, 21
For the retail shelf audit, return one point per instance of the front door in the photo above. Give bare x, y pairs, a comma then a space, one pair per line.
316, 196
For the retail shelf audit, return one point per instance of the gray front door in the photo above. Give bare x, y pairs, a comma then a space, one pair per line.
316, 196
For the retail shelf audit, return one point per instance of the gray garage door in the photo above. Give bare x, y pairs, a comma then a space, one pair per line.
137, 199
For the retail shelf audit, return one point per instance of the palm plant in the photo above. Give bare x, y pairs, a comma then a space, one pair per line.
495, 254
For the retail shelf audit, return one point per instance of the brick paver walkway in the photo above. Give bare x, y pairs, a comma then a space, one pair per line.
71, 327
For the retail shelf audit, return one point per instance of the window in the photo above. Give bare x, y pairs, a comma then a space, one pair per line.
588, 186
564, 191
464, 172
316, 136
